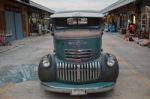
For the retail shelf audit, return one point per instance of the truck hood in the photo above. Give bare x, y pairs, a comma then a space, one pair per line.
77, 50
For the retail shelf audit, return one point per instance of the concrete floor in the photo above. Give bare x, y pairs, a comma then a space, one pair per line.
28, 52
133, 81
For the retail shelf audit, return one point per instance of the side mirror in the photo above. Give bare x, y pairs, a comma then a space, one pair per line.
52, 33
52, 30
101, 32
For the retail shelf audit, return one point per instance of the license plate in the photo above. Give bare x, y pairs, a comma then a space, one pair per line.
78, 92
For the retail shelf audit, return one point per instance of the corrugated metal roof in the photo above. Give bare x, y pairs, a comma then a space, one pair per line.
77, 14
41, 7
36, 5
116, 5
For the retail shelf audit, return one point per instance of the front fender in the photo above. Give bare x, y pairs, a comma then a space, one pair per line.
109, 74
47, 74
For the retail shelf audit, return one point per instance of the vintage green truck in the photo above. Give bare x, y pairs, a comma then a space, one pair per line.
78, 66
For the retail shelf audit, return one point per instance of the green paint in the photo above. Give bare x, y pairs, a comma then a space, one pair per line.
76, 44
93, 85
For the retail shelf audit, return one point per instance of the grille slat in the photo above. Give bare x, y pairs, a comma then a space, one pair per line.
78, 72
74, 74
63, 74
68, 71
65, 66
87, 72
71, 72
83, 70
96, 70
90, 71
60, 70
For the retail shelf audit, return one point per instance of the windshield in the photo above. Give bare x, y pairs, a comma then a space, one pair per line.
76, 23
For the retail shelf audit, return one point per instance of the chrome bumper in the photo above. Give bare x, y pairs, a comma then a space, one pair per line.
68, 89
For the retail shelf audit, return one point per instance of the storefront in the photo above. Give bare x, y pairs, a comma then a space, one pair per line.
121, 13
143, 11
19, 18
34, 20
145, 20
13, 17
39, 19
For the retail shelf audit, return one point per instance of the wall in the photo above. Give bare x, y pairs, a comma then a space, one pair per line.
2, 22
24, 13
123, 14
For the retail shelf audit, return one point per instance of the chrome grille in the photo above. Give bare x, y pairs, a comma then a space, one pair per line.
78, 72
78, 55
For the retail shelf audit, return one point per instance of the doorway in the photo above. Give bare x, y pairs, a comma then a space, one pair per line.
14, 24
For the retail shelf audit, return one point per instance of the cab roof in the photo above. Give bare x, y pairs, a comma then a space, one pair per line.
66, 14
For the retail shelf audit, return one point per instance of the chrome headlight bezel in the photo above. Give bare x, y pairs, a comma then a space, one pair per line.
110, 61
46, 62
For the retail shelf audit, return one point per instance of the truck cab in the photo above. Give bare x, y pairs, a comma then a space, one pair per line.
78, 66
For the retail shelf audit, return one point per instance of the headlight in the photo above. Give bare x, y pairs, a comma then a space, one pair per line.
110, 61
46, 62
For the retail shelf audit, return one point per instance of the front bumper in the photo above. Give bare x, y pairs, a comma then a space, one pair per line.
78, 89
